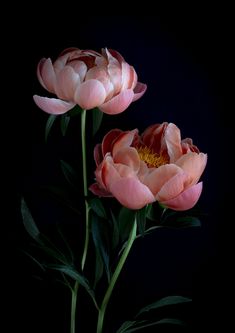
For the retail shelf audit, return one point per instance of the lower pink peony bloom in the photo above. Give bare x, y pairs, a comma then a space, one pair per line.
156, 166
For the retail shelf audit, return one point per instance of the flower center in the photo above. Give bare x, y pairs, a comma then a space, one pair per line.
153, 160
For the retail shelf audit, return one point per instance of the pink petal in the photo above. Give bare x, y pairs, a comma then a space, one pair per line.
156, 179
131, 193
66, 83
153, 137
90, 94
101, 74
173, 187
98, 190
139, 91
193, 164
80, 68
48, 75
117, 55
129, 157
125, 139
39, 70
52, 105
98, 156
119, 103
109, 174
127, 76
108, 140
173, 142
186, 200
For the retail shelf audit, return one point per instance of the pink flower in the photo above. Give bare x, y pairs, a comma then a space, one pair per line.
89, 79
156, 166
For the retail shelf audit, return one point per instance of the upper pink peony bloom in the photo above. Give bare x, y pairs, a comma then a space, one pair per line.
156, 166
89, 79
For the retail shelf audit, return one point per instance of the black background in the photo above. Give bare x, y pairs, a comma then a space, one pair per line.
185, 59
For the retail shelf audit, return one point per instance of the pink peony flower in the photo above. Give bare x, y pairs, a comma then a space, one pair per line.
156, 166
89, 79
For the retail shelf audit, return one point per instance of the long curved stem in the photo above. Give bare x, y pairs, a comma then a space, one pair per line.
114, 278
85, 191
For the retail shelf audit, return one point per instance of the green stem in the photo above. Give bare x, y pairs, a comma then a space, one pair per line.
114, 278
73, 307
86, 236
85, 191
83, 136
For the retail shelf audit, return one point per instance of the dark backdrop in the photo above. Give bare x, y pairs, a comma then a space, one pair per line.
185, 61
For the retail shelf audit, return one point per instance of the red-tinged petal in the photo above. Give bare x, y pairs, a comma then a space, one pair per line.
131, 193
156, 179
173, 142
97, 190
193, 164
117, 55
108, 140
98, 156
153, 137
52, 105
186, 200
90, 94
173, 187
125, 171
48, 75
66, 83
119, 103
139, 91
129, 157
125, 139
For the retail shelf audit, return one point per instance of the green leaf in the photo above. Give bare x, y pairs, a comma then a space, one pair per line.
127, 324
188, 221
98, 207
101, 238
115, 237
141, 219
28, 221
97, 116
64, 122
74, 111
99, 267
50, 121
71, 272
177, 220
126, 219
69, 173
133, 326
166, 301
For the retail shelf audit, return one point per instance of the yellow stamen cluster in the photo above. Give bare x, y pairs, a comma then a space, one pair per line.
153, 160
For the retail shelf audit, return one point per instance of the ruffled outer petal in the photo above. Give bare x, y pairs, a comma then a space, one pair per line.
194, 164
186, 200
52, 105
131, 193
139, 91
173, 142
